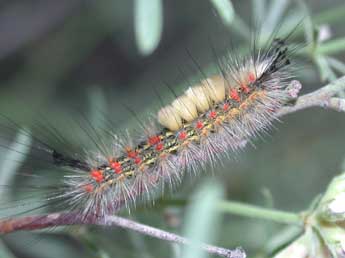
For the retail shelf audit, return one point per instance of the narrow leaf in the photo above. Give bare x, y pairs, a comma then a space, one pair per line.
336, 64
14, 157
148, 22
326, 72
225, 9
202, 218
5, 252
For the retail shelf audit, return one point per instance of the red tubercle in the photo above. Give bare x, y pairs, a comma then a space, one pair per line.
137, 160
245, 88
99, 180
159, 146
88, 188
251, 77
182, 135
234, 95
97, 175
199, 125
118, 170
153, 140
212, 115
116, 166
132, 154
226, 106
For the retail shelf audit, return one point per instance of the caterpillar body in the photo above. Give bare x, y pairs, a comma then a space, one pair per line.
212, 119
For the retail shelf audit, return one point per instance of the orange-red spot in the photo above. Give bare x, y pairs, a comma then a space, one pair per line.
137, 160
243, 105
199, 125
116, 166
154, 140
118, 170
218, 121
159, 146
163, 155
97, 175
251, 77
131, 154
245, 88
226, 106
182, 135
88, 188
212, 114
234, 95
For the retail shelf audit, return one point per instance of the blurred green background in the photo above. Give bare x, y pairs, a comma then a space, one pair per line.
57, 57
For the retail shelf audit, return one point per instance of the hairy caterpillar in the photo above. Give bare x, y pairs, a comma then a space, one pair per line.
211, 119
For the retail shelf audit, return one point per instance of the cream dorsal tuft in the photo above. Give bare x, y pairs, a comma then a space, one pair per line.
200, 97
216, 88
185, 108
169, 117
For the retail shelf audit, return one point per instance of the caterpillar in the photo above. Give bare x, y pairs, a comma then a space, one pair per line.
211, 119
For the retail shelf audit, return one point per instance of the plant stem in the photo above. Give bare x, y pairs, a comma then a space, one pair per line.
325, 97
249, 210
256, 212
167, 236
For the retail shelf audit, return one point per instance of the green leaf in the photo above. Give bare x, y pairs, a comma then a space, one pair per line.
332, 46
11, 159
326, 72
308, 24
274, 15
225, 9
14, 157
148, 22
5, 252
202, 218
241, 28
336, 64
259, 9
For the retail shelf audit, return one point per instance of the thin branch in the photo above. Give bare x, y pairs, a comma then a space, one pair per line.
325, 97
158, 233
60, 219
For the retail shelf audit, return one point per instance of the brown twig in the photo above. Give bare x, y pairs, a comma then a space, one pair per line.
326, 97
157, 233
60, 219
